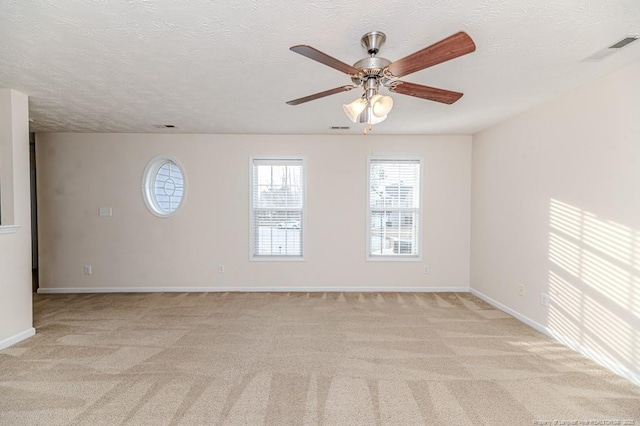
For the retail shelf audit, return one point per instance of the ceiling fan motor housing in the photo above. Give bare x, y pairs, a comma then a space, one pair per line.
370, 68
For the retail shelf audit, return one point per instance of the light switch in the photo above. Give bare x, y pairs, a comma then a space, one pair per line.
105, 212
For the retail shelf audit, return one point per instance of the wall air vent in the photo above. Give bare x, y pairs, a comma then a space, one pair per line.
164, 126
607, 51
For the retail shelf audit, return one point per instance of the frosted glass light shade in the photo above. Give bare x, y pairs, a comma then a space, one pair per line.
375, 119
368, 117
354, 109
381, 105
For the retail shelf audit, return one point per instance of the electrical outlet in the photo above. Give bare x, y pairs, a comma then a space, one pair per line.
426, 269
521, 289
544, 299
105, 212
221, 269
87, 269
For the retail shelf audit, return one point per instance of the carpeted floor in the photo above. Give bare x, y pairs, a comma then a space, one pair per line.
297, 359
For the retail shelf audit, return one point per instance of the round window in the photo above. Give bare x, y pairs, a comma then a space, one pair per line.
163, 186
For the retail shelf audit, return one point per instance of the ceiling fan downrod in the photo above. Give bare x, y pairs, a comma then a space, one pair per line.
371, 86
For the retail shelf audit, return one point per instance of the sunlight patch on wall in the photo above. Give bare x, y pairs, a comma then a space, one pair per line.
609, 239
565, 254
565, 313
607, 278
594, 284
565, 219
612, 335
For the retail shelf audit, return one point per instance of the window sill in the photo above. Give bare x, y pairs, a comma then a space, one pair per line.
277, 259
394, 258
9, 229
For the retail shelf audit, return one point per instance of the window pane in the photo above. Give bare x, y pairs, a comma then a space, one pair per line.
394, 232
394, 184
168, 187
164, 186
278, 233
277, 202
394, 207
277, 186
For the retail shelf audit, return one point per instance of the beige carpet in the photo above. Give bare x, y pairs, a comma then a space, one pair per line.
297, 359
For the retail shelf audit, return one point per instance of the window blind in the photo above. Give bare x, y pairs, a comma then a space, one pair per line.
394, 207
277, 207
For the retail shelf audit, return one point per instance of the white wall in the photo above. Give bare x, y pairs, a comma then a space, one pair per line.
15, 229
78, 173
556, 207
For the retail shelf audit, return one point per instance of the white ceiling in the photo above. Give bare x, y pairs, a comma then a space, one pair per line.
225, 67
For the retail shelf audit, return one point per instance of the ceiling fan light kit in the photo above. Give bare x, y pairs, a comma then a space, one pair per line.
368, 117
354, 109
373, 72
381, 105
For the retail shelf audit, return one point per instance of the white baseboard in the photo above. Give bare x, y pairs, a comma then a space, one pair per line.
531, 323
593, 355
10, 341
252, 290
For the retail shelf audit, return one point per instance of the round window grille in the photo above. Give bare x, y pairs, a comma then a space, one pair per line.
163, 186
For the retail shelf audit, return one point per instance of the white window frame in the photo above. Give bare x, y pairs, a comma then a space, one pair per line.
397, 257
303, 223
148, 180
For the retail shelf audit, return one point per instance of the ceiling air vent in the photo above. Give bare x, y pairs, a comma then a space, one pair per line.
622, 43
339, 127
164, 126
601, 54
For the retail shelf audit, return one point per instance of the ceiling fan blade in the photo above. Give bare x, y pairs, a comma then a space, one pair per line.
321, 95
451, 47
325, 59
425, 92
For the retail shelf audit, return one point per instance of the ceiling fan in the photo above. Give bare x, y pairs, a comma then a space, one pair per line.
373, 72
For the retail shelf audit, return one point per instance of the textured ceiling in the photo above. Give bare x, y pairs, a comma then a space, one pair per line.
225, 67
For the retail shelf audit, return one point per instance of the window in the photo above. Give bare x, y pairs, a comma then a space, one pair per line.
394, 208
163, 186
277, 207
